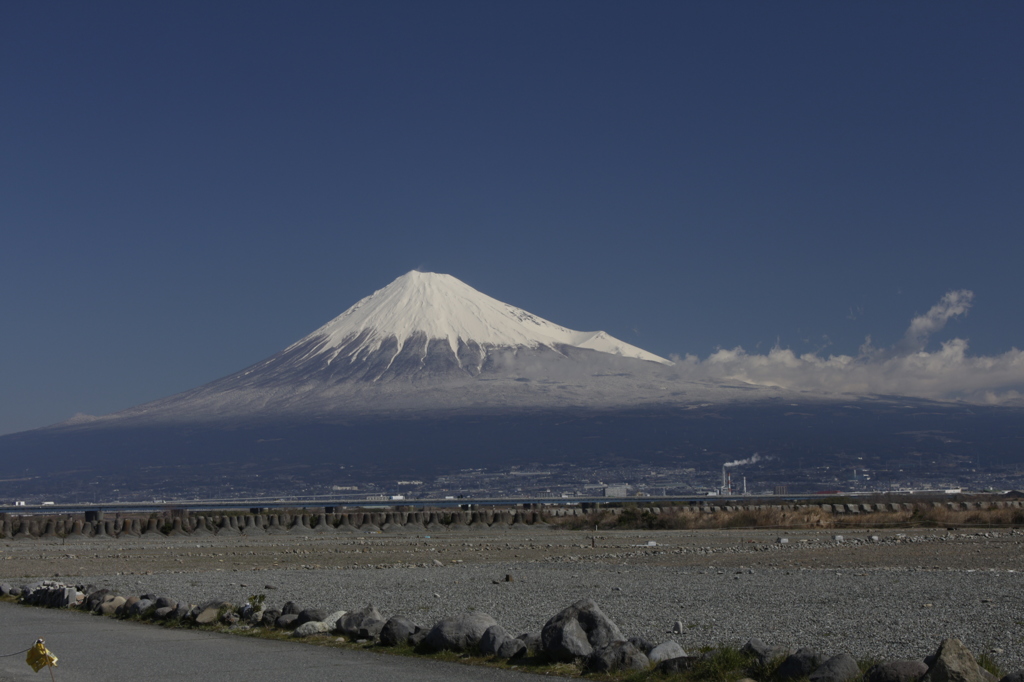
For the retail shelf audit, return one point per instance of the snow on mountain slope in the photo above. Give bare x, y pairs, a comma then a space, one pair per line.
420, 307
430, 342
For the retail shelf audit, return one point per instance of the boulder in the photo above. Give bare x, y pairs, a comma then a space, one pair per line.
897, 671
366, 623
286, 621
801, 663
164, 612
575, 631
511, 648
665, 651
952, 662
290, 608
92, 602
397, 631
616, 656
209, 613
311, 627
270, 617
140, 607
458, 633
333, 618
163, 602
839, 668
123, 610
492, 639
110, 607
308, 615
1013, 677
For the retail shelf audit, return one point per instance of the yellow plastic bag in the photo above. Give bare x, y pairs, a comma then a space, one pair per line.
39, 656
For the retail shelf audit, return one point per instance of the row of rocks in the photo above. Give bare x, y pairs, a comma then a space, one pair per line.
860, 508
28, 527
580, 632
20, 528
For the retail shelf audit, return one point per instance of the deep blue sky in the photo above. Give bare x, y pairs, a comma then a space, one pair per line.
188, 187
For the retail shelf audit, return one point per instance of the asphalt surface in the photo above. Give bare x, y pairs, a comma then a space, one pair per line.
97, 649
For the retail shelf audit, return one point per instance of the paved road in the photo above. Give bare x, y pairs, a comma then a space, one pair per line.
97, 649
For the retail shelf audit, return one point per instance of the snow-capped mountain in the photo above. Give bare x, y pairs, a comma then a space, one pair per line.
421, 313
428, 341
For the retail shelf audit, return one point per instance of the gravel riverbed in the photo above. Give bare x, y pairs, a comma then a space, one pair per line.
897, 599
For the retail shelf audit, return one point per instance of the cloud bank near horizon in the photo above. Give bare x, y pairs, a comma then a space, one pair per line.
906, 368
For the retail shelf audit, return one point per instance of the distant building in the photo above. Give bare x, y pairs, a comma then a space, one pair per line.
782, 490
616, 491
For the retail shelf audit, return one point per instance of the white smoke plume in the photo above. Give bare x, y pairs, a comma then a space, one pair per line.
915, 339
906, 369
740, 462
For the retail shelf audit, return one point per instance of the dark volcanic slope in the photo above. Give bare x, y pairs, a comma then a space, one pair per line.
908, 435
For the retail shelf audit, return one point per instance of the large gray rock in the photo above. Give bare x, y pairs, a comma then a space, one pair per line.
333, 618
140, 607
897, 671
307, 615
1013, 677
458, 633
492, 639
511, 648
286, 621
209, 613
952, 662
665, 651
840, 668
310, 628
616, 656
110, 606
91, 602
801, 663
575, 631
397, 631
269, 618
366, 623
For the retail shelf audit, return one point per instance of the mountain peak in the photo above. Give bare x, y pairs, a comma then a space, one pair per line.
422, 307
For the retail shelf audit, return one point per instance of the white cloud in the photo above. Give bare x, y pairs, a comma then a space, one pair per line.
954, 303
948, 373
